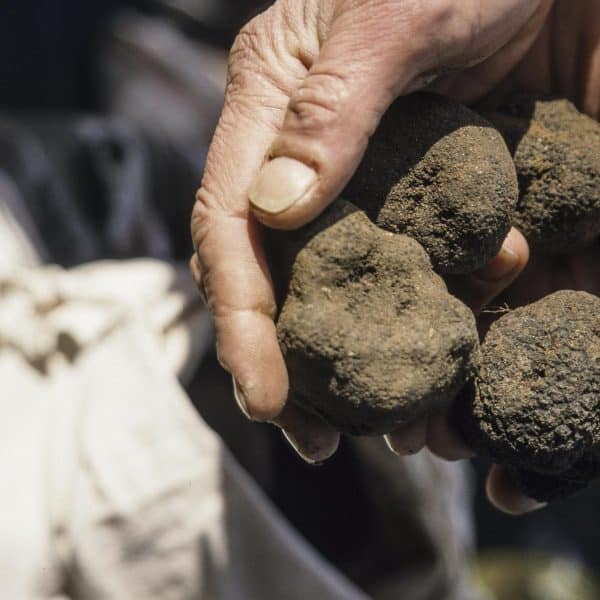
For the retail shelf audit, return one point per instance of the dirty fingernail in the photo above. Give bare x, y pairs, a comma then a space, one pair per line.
280, 184
401, 448
389, 444
313, 449
505, 263
240, 398
408, 438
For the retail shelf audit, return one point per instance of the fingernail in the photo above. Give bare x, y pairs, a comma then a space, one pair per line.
312, 449
505, 495
281, 183
240, 398
520, 506
501, 266
396, 449
389, 444
531, 505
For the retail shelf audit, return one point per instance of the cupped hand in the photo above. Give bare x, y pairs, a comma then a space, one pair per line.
308, 83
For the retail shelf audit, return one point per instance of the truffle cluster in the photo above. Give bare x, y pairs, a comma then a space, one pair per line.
370, 334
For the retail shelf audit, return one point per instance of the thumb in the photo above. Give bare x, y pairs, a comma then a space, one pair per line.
330, 117
369, 54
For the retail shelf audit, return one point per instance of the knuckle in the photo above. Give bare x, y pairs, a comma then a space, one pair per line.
247, 41
243, 56
201, 218
208, 213
441, 12
198, 276
317, 102
251, 56
259, 60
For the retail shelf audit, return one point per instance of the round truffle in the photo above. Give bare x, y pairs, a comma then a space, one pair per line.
440, 173
537, 399
370, 335
556, 150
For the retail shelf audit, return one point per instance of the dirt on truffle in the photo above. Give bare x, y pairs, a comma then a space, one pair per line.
370, 335
556, 150
372, 338
536, 406
439, 172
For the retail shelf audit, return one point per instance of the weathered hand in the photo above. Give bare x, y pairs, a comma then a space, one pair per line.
308, 83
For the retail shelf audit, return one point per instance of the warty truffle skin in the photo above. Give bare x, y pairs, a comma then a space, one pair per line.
442, 174
556, 150
535, 406
370, 335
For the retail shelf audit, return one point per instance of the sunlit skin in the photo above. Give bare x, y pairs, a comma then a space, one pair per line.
309, 81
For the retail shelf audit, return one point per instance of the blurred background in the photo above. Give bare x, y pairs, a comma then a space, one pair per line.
106, 112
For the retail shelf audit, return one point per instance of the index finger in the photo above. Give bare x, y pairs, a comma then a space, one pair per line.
235, 276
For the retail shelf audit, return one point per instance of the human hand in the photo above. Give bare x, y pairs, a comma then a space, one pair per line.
308, 83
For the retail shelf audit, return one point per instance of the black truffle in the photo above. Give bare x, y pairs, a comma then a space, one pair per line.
556, 150
536, 406
370, 335
437, 171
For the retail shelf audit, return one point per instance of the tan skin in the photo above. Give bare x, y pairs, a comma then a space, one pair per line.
308, 83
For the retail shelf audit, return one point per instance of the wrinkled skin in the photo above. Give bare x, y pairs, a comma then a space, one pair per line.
308, 83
